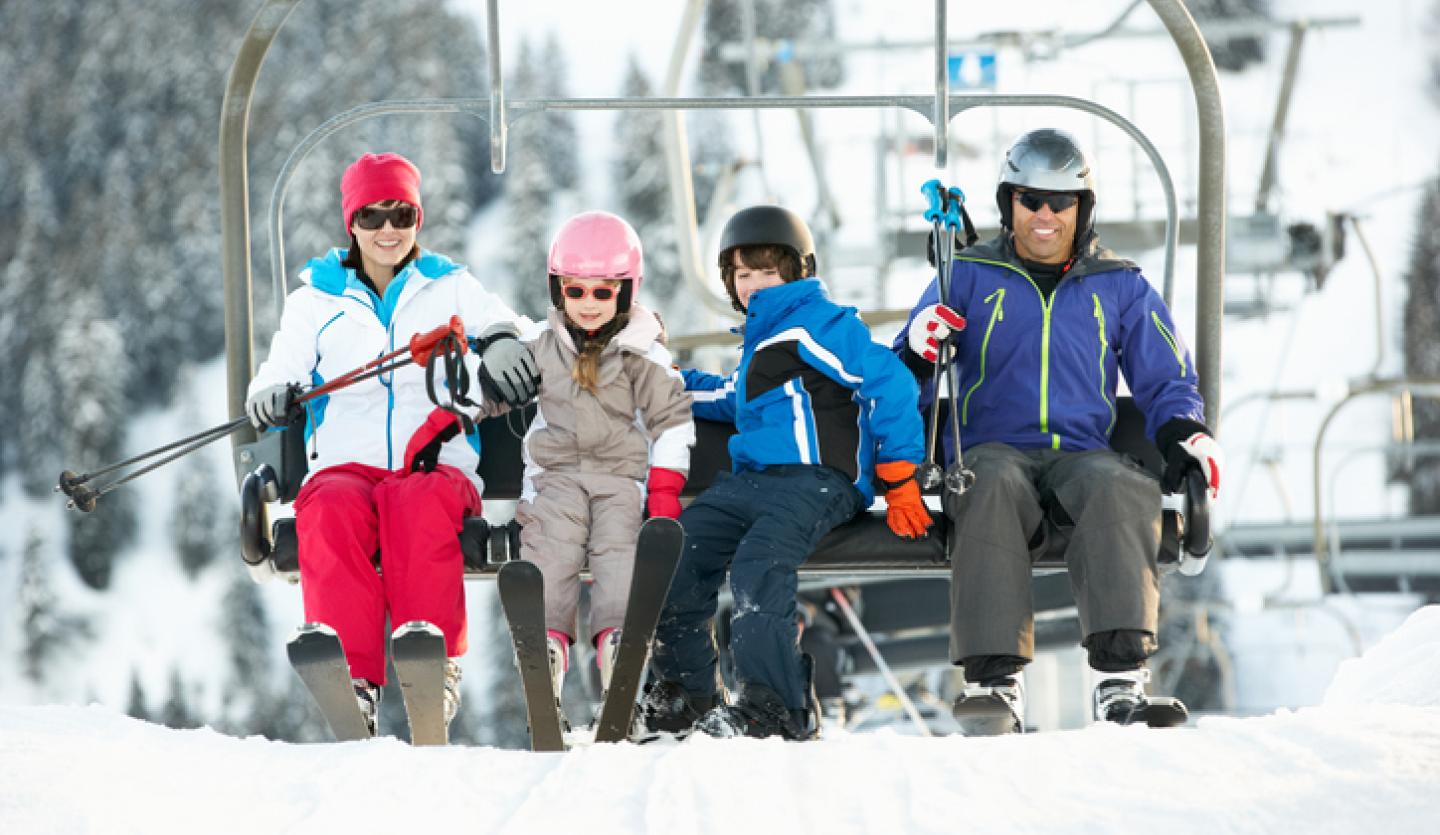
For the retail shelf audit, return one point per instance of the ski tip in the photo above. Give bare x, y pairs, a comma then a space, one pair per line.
422, 627
662, 523
305, 630
518, 568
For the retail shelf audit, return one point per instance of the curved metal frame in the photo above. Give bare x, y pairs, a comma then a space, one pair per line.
940, 108
1425, 386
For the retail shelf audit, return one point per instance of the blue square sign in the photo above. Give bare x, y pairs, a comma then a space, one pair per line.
972, 70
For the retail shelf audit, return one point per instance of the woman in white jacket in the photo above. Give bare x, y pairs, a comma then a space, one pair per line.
380, 476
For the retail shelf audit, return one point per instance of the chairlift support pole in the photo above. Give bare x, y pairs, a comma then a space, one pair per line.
1210, 252
235, 203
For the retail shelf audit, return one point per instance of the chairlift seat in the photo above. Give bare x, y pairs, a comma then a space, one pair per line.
861, 547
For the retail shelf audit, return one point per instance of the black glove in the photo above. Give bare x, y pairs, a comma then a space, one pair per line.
423, 451
508, 372
1169, 438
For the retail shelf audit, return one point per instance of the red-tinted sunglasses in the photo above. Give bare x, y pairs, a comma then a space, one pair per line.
1058, 201
600, 292
400, 217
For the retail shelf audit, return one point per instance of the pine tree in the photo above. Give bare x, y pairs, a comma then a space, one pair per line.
47, 630
528, 193
196, 522
559, 137
1422, 352
91, 396
1422, 322
136, 707
245, 629
176, 712
642, 183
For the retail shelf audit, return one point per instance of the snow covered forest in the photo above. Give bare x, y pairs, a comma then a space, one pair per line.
111, 322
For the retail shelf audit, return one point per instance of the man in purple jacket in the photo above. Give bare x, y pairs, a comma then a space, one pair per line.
1044, 320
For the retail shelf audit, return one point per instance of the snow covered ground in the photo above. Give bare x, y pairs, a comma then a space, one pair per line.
1366, 759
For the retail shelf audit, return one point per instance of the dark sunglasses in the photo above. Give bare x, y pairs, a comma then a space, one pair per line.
601, 292
1058, 201
400, 217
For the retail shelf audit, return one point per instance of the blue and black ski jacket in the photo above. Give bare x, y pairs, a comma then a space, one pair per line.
813, 387
1042, 373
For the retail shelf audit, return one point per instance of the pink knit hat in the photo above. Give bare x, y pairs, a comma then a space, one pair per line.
377, 177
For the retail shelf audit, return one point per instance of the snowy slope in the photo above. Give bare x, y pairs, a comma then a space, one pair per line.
1368, 759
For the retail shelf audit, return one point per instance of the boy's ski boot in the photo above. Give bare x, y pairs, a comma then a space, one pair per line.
759, 711
992, 707
1120, 698
666, 707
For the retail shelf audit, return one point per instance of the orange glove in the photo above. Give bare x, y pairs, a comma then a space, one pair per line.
907, 516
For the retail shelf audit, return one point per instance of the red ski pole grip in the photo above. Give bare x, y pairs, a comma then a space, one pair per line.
422, 345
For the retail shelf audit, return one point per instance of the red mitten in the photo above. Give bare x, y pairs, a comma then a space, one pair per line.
663, 488
423, 451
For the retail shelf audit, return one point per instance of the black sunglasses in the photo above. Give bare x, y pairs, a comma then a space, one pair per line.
601, 293
400, 217
1058, 201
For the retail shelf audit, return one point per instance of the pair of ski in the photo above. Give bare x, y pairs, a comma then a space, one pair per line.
522, 596
417, 650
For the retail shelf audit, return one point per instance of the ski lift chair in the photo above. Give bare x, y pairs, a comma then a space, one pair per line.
863, 546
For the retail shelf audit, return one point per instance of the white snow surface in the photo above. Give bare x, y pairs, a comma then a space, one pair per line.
1368, 757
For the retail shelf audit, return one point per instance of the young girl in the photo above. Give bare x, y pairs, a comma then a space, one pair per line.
611, 440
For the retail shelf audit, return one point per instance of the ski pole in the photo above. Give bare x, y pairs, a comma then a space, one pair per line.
843, 601
930, 473
421, 348
958, 479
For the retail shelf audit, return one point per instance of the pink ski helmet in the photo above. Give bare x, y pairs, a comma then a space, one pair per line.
596, 245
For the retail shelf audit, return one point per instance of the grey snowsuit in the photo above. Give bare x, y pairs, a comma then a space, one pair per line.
587, 457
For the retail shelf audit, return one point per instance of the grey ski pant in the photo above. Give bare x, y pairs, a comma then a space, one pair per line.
579, 518
1004, 523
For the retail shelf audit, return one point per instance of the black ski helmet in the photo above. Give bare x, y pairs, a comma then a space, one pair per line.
766, 226
1048, 160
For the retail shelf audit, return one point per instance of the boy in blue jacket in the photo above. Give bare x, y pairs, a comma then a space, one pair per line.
822, 412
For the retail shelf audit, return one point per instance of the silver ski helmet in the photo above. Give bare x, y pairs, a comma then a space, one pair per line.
765, 226
1048, 159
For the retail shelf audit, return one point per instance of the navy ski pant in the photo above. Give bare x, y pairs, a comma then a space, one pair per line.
761, 526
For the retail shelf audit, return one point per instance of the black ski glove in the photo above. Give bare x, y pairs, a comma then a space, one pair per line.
422, 454
508, 373
1168, 438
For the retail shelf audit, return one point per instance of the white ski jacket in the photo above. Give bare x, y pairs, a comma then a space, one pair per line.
334, 324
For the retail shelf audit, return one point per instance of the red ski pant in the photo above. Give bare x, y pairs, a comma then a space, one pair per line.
343, 515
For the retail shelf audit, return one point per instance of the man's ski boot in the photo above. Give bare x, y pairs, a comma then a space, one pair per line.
451, 694
666, 707
367, 695
1120, 698
992, 707
759, 711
